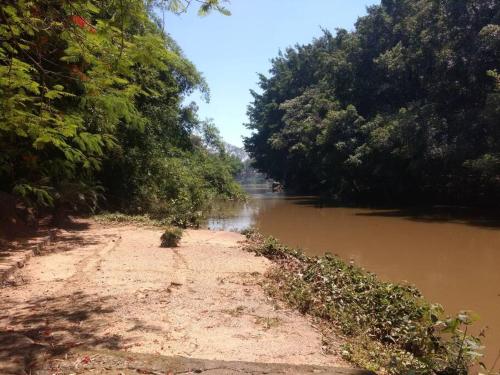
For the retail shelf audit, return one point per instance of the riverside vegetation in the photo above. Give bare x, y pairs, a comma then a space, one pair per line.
92, 112
389, 327
93, 115
402, 110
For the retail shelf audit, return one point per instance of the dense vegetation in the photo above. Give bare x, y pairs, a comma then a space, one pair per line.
91, 111
389, 326
406, 108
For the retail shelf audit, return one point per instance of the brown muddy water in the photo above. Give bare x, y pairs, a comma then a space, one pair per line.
451, 255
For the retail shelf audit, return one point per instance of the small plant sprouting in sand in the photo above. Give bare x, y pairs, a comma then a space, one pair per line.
236, 312
268, 322
171, 237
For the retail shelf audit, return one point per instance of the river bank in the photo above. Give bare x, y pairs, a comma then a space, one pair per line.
450, 254
390, 327
112, 287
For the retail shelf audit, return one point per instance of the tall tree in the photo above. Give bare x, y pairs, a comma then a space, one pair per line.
91, 102
403, 109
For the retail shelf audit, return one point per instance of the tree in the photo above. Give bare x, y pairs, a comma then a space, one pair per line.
401, 110
91, 102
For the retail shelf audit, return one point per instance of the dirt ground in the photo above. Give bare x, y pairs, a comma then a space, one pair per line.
113, 287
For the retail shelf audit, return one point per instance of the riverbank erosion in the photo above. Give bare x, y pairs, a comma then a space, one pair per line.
113, 288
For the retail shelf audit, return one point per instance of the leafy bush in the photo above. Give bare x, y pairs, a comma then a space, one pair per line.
87, 121
179, 189
171, 237
407, 333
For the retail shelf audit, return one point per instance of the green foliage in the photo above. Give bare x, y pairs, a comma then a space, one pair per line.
390, 326
117, 218
180, 188
205, 6
171, 237
404, 109
91, 111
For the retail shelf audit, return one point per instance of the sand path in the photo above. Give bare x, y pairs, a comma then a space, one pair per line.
113, 287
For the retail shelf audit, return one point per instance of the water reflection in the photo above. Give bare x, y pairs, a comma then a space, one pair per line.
237, 216
451, 255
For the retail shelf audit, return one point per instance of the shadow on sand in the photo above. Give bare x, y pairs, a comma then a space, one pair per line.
16, 242
48, 326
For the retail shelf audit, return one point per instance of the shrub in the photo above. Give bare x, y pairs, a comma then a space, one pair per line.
390, 326
179, 189
171, 237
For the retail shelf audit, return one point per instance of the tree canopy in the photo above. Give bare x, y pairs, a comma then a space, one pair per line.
91, 109
404, 109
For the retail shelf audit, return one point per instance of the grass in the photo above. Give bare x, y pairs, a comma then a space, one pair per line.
170, 237
120, 218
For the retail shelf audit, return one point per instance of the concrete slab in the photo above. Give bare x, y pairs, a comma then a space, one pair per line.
83, 361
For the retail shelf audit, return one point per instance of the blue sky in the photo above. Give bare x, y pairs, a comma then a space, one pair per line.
230, 51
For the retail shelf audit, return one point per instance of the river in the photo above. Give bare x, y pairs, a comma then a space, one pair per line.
451, 255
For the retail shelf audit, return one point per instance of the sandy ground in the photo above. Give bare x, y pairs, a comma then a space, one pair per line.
113, 287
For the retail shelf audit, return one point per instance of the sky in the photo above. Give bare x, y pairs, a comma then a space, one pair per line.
231, 50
